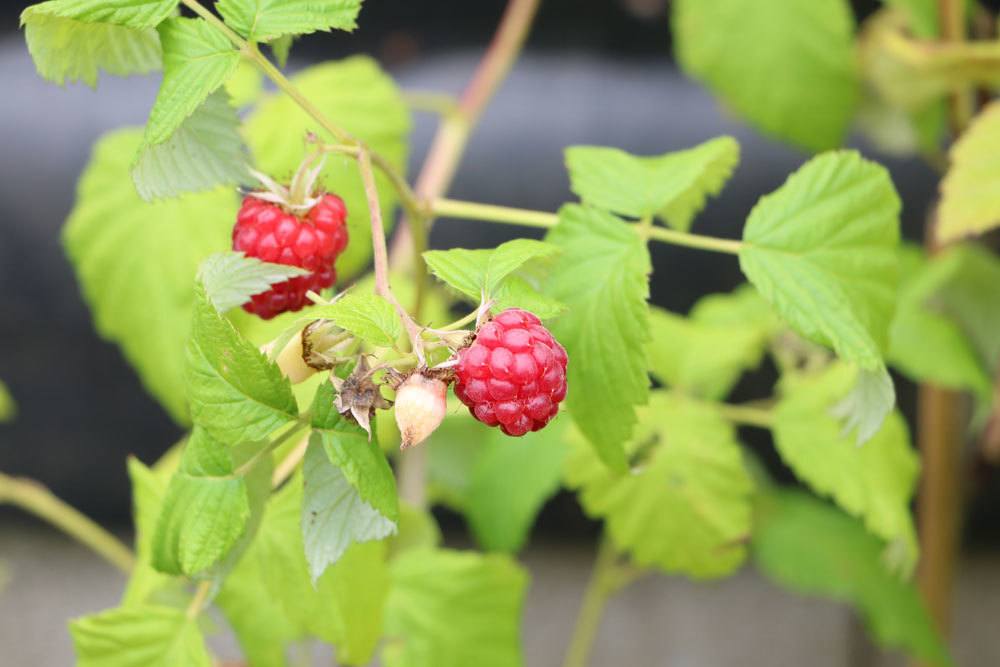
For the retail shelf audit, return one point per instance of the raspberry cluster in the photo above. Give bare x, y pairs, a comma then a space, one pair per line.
514, 374
268, 232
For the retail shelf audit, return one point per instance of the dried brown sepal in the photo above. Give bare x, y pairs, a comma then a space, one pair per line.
358, 397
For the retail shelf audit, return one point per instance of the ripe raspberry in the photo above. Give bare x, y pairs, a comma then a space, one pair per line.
514, 374
268, 232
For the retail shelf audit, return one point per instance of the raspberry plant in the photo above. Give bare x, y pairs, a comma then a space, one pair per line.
289, 507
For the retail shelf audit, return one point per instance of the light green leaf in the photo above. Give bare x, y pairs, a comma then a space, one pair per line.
8, 408
787, 66
71, 40
704, 354
969, 297
874, 482
358, 96
148, 489
919, 326
246, 84
517, 292
970, 203
205, 151
136, 263
866, 405
346, 604
264, 20
809, 547
236, 393
673, 186
684, 505
452, 452
208, 506
366, 315
510, 481
197, 59
333, 514
701, 358
142, 636
454, 609
602, 276
417, 530
822, 250
231, 278
477, 272
258, 619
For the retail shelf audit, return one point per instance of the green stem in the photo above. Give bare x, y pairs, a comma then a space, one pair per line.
606, 579
451, 208
252, 462
35, 498
529, 218
199, 600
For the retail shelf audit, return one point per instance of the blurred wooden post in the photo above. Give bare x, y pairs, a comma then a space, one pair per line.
939, 420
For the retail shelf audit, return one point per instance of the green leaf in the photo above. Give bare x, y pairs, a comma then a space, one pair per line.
197, 59
350, 491
136, 263
509, 483
874, 482
208, 506
281, 48
723, 336
366, 315
236, 393
346, 604
785, 65
970, 203
452, 452
333, 514
358, 96
866, 405
475, 272
918, 327
71, 40
705, 357
264, 20
454, 609
602, 276
148, 489
231, 278
673, 186
258, 618
969, 297
142, 636
809, 547
8, 408
684, 506
822, 250
516, 292
246, 84
205, 151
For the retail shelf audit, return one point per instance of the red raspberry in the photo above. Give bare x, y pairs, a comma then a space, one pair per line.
514, 374
266, 231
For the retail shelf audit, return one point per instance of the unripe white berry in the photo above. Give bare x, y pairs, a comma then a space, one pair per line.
420, 406
290, 360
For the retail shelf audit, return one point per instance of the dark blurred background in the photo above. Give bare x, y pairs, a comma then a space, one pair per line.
594, 71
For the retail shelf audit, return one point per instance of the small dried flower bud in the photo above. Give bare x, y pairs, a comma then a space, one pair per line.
421, 404
290, 360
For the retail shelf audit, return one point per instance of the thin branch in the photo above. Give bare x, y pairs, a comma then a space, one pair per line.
38, 500
381, 255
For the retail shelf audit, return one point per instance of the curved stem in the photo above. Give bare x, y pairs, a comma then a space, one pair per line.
36, 499
746, 415
252, 462
199, 600
606, 579
288, 464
